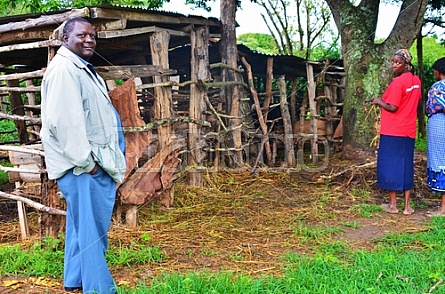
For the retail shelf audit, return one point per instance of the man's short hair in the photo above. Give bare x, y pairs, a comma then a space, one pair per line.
69, 25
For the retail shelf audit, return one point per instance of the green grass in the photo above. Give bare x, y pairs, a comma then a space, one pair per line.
391, 269
46, 258
41, 259
421, 143
406, 263
4, 176
400, 263
8, 126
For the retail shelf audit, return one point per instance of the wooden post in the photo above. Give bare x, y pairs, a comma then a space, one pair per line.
32, 101
261, 119
328, 110
288, 132
293, 102
131, 216
199, 72
23, 220
269, 81
159, 42
17, 108
51, 224
311, 88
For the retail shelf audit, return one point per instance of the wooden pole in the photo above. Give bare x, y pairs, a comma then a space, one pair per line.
261, 119
288, 132
311, 88
269, 81
199, 71
293, 102
23, 220
17, 109
159, 42
32, 101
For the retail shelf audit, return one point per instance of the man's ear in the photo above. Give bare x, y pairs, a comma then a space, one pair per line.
64, 38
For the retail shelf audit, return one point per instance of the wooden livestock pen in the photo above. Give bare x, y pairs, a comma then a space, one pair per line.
166, 80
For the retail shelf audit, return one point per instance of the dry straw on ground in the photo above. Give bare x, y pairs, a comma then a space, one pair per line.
243, 222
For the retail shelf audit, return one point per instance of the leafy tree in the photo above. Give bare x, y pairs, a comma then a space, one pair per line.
433, 50
298, 26
263, 43
8, 7
364, 59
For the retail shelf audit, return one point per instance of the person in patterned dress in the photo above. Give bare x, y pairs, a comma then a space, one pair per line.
435, 108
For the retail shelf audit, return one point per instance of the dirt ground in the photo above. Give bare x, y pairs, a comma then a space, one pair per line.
246, 222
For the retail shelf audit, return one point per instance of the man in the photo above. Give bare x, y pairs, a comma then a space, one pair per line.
84, 152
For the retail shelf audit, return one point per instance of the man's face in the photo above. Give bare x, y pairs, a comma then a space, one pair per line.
81, 40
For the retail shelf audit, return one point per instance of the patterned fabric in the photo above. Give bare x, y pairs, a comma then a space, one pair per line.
436, 98
405, 54
436, 180
435, 152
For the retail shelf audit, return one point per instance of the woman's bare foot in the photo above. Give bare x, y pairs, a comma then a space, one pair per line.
408, 211
388, 208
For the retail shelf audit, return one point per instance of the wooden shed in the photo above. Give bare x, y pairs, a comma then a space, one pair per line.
164, 73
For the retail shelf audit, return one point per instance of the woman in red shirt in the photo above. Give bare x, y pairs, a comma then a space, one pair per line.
395, 160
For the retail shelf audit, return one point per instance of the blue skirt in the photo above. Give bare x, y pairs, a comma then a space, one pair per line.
395, 163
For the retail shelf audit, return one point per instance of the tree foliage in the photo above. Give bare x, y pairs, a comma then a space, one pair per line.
432, 50
298, 26
263, 43
366, 62
8, 7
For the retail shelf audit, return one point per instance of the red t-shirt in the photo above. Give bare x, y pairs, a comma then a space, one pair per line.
404, 92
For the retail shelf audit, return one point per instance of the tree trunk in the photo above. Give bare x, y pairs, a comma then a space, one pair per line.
367, 63
420, 69
229, 55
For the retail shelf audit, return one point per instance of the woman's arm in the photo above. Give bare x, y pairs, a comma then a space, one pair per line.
384, 105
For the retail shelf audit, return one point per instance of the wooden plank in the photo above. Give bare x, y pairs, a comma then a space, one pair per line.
47, 19
14, 36
136, 31
36, 149
34, 120
20, 89
151, 16
28, 154
36, 205
119, 24
118, 72
21, 170
20, 158
32, 45
23, 220
23, 76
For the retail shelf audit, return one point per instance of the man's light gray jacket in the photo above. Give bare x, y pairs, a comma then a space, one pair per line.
79, 125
